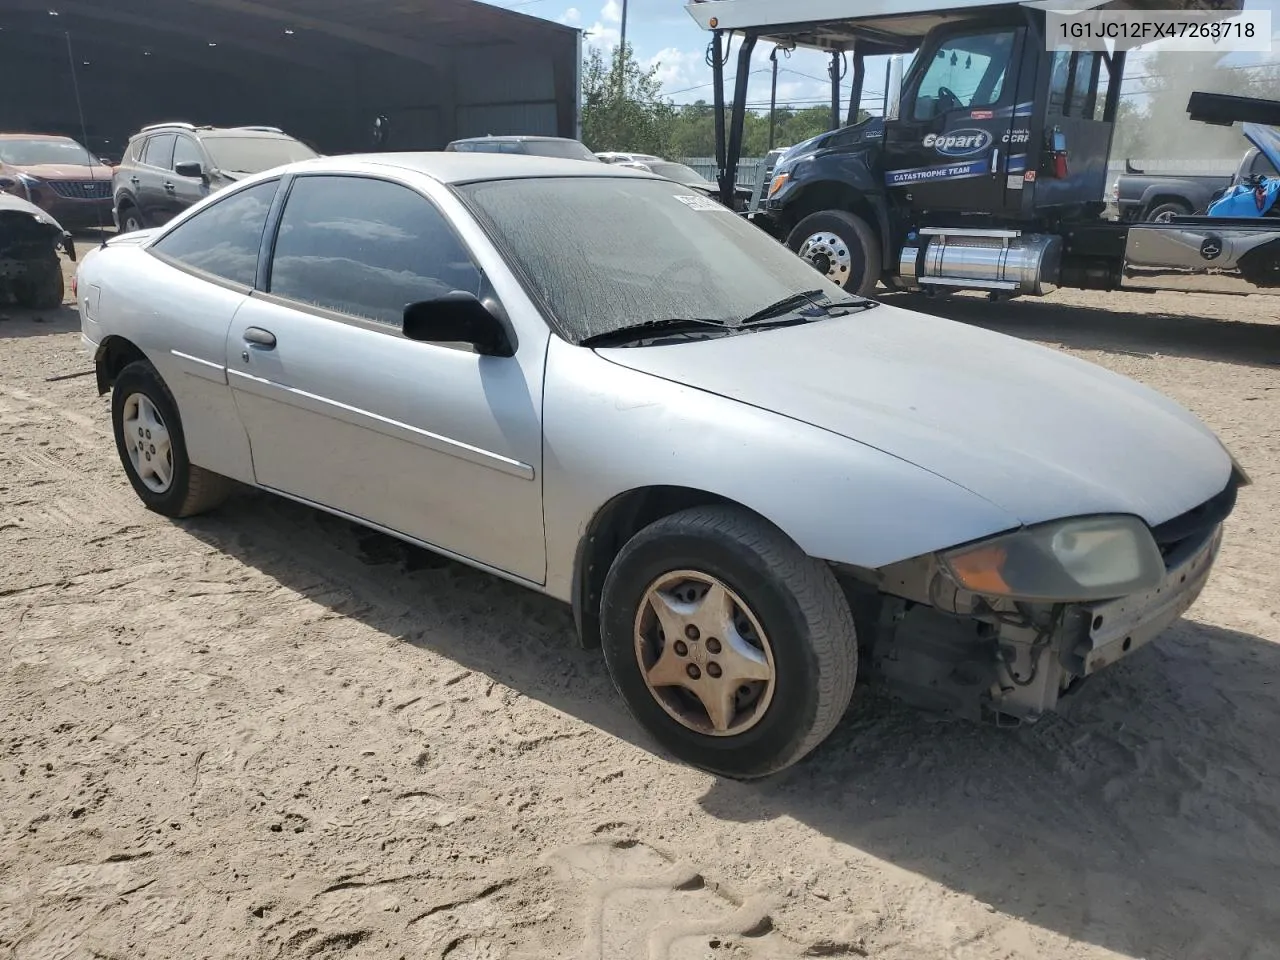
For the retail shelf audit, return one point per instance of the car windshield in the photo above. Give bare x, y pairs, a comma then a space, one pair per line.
675, 171
32, 153
610, 252
254, 154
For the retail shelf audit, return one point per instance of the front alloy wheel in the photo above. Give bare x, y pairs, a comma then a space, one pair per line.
733, 648
704, 655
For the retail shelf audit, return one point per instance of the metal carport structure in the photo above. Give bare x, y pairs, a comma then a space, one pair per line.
323, 70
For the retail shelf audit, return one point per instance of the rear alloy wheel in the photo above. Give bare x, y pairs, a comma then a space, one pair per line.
153, 450
1164, 212
41, 288
841, 246
734, 649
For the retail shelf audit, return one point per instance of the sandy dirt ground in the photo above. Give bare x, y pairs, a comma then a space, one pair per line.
266, 734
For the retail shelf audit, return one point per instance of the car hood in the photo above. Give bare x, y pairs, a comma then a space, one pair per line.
1035, 431
62, 171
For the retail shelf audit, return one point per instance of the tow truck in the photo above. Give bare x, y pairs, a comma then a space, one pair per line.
988, 169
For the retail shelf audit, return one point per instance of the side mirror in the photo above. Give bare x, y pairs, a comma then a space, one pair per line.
459, 317
893, 87
192, 169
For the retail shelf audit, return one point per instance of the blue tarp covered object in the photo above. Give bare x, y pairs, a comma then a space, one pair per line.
1243, 200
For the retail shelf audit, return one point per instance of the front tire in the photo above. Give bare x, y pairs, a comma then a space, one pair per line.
842, 246
129, 219
734, 649
153, 449
42, 287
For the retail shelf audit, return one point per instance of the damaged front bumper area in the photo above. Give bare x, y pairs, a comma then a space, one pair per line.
30, 235
940, 648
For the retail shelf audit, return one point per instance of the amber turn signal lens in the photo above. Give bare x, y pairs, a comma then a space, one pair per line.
980, 571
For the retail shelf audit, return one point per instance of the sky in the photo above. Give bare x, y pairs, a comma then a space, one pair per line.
661, 32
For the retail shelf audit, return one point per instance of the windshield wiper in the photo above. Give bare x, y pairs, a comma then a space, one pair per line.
810, 298
638, 331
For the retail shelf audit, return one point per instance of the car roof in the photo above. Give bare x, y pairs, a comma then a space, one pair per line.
516, 138
457, 168
257, 133
211, 132
37, 136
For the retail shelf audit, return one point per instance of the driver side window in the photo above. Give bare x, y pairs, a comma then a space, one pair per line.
967, 71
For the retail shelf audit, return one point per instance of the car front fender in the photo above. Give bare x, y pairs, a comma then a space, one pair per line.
609, 430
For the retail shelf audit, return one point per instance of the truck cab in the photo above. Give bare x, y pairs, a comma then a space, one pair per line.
988, 170
992, 132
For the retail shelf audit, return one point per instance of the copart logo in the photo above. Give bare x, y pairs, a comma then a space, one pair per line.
959, 143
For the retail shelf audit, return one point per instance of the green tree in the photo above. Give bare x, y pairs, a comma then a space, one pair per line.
694, 130
622, 105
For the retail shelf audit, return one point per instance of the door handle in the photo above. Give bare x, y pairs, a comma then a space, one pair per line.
995, 161
168, 185
260, 338
134, 180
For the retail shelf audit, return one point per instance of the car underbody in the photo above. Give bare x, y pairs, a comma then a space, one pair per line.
928, 643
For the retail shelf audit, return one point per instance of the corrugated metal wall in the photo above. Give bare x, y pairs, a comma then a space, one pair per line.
519, 97
525, 86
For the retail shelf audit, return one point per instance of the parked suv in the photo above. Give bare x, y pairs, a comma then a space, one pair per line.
167, 167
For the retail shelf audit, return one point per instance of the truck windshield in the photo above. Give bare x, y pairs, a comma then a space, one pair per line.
967, 71
607, 252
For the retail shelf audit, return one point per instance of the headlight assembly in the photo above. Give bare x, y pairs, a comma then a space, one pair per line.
1067, 561
28, 184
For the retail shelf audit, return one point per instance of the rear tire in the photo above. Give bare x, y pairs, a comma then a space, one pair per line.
174, 487
754, 676
1161, 212
42, 286
842, 246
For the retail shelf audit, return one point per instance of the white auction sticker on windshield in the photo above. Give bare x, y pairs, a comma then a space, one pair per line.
701, 203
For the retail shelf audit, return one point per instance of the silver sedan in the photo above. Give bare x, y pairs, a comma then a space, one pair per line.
753, 488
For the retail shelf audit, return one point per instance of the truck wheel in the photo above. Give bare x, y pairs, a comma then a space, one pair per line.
730, 646
842, 246
1162, 212
41, 288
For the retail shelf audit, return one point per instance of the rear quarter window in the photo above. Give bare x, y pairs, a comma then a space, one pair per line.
223, 239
